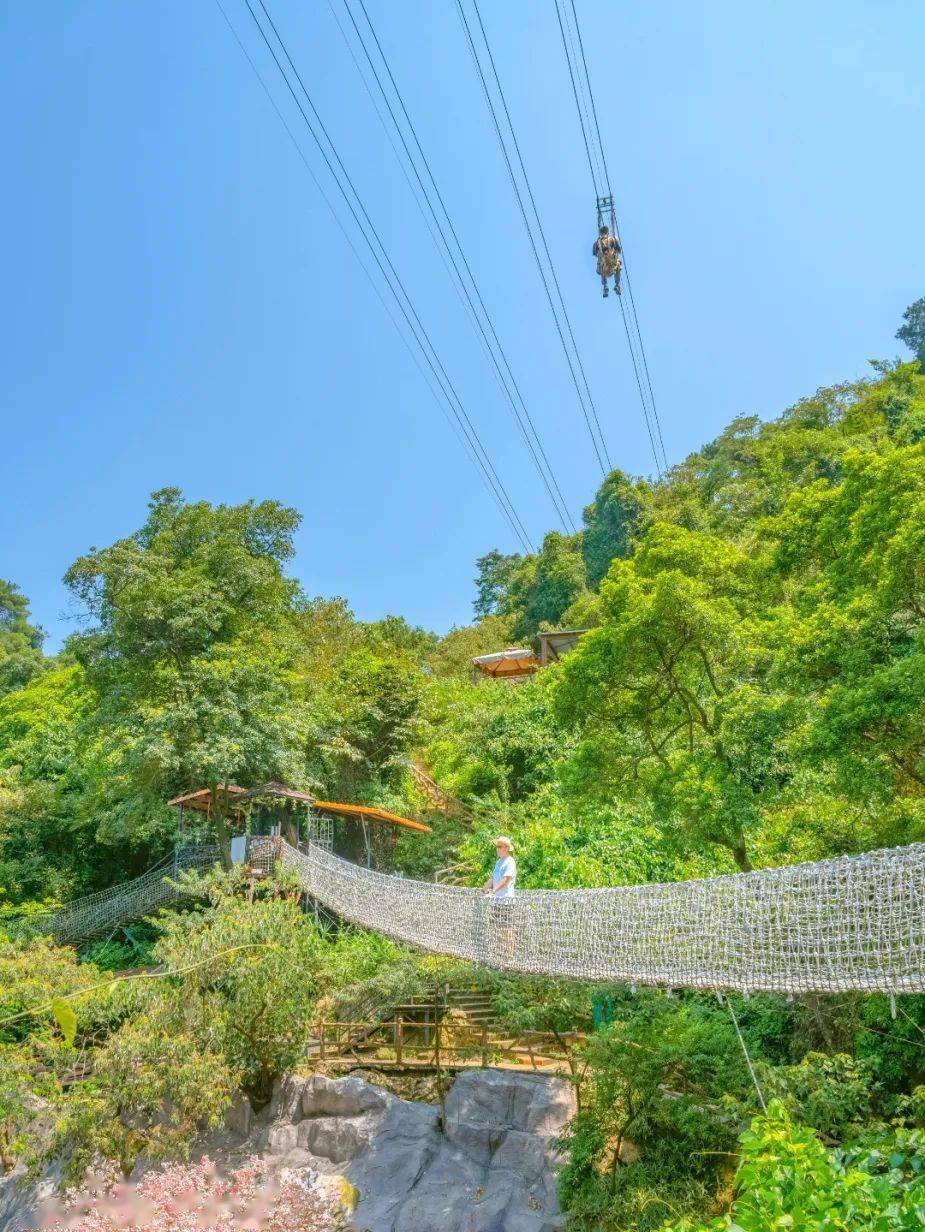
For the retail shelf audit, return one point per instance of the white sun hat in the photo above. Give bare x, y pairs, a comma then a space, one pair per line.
502, 838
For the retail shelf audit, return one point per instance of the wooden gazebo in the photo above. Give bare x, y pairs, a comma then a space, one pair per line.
358, 832
514, 664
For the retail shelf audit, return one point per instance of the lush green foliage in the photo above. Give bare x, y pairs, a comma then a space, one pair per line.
20, 641
788, 1179
664, 1085
125, 1066
751, 691
201, 664
912, 332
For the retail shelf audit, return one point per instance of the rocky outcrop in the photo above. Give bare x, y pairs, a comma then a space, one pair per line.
485, 1163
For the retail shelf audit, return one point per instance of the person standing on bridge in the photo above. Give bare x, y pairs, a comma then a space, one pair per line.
499, 889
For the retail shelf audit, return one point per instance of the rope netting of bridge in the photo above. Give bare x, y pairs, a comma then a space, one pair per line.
853, 922
97, 915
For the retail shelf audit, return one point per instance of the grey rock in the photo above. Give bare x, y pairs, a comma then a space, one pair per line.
532, 1102
22, 1199
347, 1097
282, 1138
334, 1138
240, 1115
488, 1165
286, 1104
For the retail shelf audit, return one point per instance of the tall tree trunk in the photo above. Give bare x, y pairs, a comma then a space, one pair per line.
740, 855
220, 825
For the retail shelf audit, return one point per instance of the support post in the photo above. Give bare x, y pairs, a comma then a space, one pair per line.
399, 1025
321, 1040
437, 1044
484, 1047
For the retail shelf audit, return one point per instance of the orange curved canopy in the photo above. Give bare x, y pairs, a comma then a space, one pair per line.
367, 810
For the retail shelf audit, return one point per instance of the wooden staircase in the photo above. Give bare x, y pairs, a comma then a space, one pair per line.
438, 799
473, 1005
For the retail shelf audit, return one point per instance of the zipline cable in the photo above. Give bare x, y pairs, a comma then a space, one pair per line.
438, 246
521, 413
388, 271
629, 287
454, 427
539, 222
430, 352
597, 167
585, 97
581, 119
438, 240
552, 307
391, 140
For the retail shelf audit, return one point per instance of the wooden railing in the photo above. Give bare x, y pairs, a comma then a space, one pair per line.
425, 1043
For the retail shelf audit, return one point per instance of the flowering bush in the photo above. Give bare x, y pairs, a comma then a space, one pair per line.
196, 1198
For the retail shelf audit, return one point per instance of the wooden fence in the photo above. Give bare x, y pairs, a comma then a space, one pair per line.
441, 1044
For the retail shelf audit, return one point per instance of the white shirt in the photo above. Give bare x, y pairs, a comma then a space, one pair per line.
504, 867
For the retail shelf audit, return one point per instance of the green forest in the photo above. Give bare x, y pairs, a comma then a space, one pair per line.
750, 693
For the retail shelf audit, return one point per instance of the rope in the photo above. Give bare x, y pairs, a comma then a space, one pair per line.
585, 399
850, 923
521, 412
106, 910
748, 1060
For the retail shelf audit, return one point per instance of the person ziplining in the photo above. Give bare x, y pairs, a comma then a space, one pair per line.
609, 260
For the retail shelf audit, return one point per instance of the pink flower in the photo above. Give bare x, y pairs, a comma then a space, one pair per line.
196, 1198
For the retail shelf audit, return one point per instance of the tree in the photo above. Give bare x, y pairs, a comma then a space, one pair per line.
21, 655
612, 522
492, 582
669, 695
192, 651
651, 1121
857, 640
46, 771
546, 585
913, 332
367, 720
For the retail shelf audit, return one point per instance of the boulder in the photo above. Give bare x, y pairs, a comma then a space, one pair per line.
532, 1102
487, 1165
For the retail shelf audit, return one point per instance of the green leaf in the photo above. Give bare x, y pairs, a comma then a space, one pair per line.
66, 1018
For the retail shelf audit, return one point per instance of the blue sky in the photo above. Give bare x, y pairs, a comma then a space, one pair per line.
181, 309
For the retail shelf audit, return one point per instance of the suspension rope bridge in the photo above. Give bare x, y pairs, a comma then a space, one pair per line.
102, 913
848, 923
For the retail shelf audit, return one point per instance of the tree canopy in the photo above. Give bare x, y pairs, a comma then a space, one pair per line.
20, 641
912, 331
